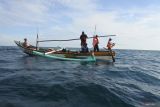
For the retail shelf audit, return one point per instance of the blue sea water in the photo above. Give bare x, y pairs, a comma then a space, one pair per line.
132, 81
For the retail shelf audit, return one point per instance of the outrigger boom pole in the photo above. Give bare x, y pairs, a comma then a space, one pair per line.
72, 39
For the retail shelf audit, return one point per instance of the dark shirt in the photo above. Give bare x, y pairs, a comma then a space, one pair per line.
83, 38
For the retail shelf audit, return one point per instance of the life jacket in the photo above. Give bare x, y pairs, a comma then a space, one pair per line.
95, 41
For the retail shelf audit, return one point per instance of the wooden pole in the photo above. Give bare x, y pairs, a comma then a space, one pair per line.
110, 50
112, 55
72, 39
37, 47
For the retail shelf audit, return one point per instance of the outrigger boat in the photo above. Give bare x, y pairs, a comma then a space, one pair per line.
64, 54
53, 54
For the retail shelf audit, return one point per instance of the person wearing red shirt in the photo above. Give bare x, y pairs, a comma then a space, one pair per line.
95, 43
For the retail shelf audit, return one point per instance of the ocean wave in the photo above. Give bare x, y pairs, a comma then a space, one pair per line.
133, 80
70, 93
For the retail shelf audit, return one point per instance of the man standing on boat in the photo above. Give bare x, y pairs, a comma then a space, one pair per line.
95, 43
110, 44
83, 38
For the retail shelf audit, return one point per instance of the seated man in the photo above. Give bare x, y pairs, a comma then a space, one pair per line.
84, 48
25, 43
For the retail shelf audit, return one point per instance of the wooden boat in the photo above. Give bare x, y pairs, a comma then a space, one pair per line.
67, 54
59, 55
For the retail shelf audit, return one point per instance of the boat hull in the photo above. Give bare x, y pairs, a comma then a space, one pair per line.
58, 56
102, 55
68, 55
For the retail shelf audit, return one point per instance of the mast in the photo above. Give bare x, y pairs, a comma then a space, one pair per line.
37, 45
95, 30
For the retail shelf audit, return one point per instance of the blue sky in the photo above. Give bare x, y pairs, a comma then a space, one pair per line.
135, 22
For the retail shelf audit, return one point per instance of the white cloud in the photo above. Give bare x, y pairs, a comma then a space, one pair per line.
24, 12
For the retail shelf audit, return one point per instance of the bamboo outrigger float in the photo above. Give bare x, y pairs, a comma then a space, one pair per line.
67, 54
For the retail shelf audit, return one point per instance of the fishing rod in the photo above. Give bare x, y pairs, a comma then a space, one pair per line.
72, 39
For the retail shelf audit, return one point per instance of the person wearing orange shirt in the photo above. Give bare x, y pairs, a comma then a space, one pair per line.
95, 43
